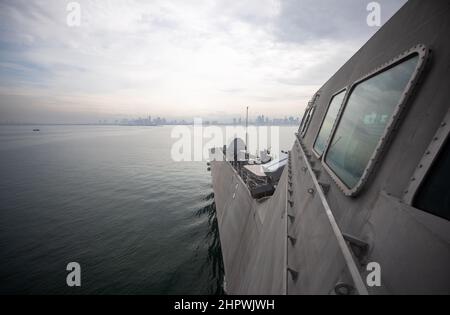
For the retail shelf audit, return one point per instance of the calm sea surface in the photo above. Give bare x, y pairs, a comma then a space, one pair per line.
111, 199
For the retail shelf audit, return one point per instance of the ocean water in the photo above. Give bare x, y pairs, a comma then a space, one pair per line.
112, 199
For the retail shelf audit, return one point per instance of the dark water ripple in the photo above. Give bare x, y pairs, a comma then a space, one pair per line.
111, 199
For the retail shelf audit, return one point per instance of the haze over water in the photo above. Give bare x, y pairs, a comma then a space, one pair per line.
111, 199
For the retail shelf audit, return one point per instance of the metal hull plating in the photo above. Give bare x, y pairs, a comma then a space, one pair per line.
292, 243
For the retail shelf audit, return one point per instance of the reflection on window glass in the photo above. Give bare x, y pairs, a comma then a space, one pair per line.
434, 194
328, 122
369, 108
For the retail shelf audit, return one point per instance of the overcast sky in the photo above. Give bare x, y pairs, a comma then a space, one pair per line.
203, 58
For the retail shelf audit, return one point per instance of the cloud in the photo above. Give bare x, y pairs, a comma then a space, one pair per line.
160, 57
311, 20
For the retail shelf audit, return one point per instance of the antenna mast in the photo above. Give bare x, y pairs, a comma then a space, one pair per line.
246, 133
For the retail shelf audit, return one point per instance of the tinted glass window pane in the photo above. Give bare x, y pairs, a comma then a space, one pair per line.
328, 122
366, 114
434, 194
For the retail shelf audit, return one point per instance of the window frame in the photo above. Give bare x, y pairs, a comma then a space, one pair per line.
345, 89
309, 114
431, 154
423, 55
304, 118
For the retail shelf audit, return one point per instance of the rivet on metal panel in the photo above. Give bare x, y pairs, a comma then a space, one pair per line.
292, 239
291, 217
293, 273
325, 187
343, 289
317, 173
359, 247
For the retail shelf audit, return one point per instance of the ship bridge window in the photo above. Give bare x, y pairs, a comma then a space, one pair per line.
307, 120
433, 195
302, 124
328, 122
369, 109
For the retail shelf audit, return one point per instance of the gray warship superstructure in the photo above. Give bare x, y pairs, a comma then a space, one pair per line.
367, 181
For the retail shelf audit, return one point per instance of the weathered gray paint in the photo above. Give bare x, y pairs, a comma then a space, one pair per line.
411, 246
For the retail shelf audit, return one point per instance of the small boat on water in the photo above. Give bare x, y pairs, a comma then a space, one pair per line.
36, 130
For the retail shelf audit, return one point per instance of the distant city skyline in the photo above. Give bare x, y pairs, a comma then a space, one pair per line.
149, 120
201, 58
155, 121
